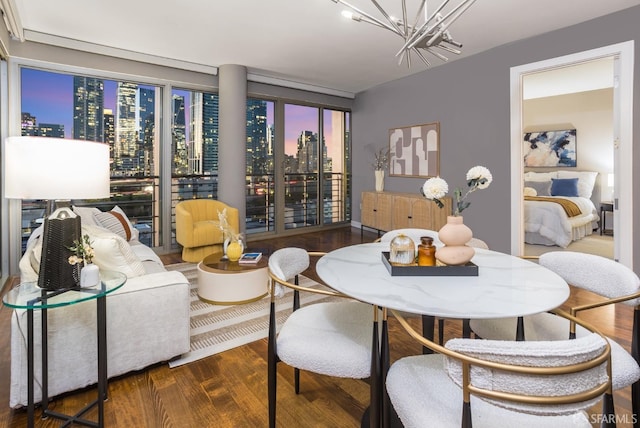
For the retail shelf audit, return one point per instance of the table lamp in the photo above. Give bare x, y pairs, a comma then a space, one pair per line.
57, 170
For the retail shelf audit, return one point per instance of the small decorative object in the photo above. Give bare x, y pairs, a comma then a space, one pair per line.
426, 252
82, 258
234, 250
379, 165
229, 236
455, 234
402, 250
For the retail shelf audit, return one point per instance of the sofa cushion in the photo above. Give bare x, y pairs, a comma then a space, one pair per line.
113, 252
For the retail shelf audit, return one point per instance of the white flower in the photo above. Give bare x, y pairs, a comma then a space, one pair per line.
482, 175
435, 188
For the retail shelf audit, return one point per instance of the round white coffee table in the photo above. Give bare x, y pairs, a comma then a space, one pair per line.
223, 282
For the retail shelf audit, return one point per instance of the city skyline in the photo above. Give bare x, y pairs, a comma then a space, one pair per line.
49, 96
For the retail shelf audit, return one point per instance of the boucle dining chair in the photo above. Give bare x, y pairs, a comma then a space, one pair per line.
612, 281
330, 338
490, 383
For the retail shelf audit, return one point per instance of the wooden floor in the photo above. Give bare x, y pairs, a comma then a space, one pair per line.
230, 389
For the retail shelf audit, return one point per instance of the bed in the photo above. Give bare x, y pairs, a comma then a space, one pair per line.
558, 208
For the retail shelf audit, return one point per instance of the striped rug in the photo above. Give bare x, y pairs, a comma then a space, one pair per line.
216, 328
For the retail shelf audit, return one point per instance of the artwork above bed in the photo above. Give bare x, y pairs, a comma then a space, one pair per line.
550, 148
572, 216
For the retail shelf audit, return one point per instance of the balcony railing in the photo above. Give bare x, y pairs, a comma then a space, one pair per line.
139, 199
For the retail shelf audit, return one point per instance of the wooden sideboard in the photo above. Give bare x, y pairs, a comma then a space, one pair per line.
386, 211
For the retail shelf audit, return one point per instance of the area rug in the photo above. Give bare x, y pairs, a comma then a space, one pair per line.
216, 328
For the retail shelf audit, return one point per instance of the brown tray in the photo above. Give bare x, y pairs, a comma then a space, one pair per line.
470, 269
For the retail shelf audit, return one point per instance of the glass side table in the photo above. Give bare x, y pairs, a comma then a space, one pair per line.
28, 296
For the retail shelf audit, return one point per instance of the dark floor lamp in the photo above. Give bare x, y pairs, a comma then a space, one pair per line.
57, 170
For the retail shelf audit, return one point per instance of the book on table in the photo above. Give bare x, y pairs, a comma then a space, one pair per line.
250, 258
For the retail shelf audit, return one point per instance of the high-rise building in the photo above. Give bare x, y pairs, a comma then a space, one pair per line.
88, 105
179, 137
258, 142
203, 144
126, 143
109, 130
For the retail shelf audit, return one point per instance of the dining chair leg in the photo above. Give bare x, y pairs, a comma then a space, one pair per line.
466, 328
384, 369
376, 378
608, 412
296, 379
272, 361
520, 329
635, 353
440, 331
428, 325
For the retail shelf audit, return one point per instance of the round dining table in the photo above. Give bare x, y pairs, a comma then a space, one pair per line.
505, 286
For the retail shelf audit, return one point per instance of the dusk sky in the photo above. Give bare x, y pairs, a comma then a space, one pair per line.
49, 97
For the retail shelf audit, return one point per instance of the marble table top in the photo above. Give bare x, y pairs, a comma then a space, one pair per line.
506, 286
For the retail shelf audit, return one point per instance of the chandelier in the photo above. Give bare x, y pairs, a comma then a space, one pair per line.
426, 34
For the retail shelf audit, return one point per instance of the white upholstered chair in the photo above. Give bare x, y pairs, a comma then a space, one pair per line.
329, 338
490, 383
614, 282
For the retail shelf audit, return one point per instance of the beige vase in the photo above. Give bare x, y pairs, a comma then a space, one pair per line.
454, 235
379, 180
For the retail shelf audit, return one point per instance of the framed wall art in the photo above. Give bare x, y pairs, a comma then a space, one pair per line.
414, 151
550, 148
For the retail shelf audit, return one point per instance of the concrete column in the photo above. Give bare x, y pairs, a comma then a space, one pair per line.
232, 141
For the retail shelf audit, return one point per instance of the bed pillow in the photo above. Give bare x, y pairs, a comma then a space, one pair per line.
540, 176
529, 191
542, 188
564, 187
586, 181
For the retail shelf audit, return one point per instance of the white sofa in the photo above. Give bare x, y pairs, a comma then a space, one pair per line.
147, 318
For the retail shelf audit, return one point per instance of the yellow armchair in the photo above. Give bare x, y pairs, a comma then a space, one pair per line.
198, 227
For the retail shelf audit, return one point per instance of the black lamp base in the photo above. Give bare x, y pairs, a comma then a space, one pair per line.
61, 228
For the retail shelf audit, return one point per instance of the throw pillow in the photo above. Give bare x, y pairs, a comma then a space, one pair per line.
540, 176
86, 214
114, 222
112, 252
530, 191
564, 187
586, 181
542, 188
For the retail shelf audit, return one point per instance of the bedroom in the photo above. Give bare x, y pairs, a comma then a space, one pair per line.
554, 101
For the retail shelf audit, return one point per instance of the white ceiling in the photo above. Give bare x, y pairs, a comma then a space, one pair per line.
306, 41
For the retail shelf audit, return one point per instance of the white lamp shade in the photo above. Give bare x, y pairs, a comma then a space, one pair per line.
55, 168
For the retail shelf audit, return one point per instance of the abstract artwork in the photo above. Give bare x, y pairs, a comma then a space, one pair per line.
550, 148
414, 151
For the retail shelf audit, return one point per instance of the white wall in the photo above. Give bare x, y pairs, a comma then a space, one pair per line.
591, 114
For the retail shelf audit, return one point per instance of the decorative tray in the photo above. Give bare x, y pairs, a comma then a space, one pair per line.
470, 269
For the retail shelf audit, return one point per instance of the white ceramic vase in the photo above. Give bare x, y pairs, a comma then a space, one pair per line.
89, 275
379, 180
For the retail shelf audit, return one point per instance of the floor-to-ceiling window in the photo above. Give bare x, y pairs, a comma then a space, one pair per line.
123, 114
138, 123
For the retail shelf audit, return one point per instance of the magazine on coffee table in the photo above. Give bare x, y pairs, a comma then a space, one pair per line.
250, 258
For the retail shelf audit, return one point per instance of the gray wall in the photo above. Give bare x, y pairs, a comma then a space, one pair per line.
470, 99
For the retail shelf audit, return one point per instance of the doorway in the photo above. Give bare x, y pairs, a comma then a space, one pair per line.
622, 137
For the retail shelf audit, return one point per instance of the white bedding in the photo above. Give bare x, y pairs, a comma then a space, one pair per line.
549, 220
